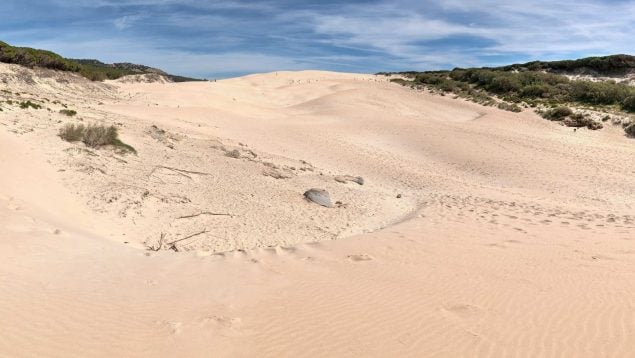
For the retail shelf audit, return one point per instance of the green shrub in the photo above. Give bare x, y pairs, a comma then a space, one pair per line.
557, 114
27, 104
509, 107
629, 103
400, 81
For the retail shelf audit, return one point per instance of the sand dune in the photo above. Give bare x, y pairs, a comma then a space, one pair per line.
477, 232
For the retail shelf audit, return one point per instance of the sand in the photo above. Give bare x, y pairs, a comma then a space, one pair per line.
477, 232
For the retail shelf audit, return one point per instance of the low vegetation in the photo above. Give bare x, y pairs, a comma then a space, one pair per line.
91, 69
557, 114
72, 132
509, 107
616, 65
29, 104
538, 85
68, 112
35, 58
94, 136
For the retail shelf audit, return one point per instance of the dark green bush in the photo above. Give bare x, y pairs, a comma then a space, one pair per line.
557, 114
68, 112
91, 69
27, 104
509, 107
629, 103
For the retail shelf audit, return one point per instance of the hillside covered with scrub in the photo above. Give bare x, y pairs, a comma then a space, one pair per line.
600, 84
92, 69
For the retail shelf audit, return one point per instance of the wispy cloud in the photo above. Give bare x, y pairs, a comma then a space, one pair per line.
218, 38
127, 21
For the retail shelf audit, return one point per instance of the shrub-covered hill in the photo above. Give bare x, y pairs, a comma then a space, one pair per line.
538, 84
605, 66
92, 69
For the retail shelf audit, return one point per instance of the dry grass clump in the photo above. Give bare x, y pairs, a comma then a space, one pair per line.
72, 133
233, 153
94, 136
99, 135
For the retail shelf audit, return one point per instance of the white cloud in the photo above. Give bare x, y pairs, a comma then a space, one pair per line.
256, 36
127, 21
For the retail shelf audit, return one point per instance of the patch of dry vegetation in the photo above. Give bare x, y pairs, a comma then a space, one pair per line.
94, 136
68, 112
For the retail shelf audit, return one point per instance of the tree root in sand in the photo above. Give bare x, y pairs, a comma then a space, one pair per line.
204, 213
172, 244
178, 171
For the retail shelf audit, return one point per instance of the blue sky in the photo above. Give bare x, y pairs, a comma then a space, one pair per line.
230, 37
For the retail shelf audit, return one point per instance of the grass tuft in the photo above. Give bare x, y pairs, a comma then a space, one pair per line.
95, 136
68, 112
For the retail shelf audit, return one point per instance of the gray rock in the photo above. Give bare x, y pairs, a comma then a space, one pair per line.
319, 196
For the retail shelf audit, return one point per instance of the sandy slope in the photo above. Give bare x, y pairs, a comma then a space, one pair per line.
513, 236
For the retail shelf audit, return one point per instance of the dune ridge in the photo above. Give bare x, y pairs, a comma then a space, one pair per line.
477, 232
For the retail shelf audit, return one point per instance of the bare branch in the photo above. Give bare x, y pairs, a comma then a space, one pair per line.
204, 213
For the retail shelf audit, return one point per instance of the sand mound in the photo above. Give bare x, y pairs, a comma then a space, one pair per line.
476, 232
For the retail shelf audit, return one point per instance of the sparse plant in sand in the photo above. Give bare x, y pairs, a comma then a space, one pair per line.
509, 107
95, 136
233, 153
68, 112
72, 132
27, 104
99, 135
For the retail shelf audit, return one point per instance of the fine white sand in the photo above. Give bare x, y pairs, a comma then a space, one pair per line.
511, 235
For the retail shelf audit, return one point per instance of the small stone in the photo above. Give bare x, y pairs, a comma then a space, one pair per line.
319, 196
398, 196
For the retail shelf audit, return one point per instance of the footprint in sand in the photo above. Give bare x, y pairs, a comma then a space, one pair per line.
497, 245
174, 327
462, 311
222, 321
229, 326
360, 257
